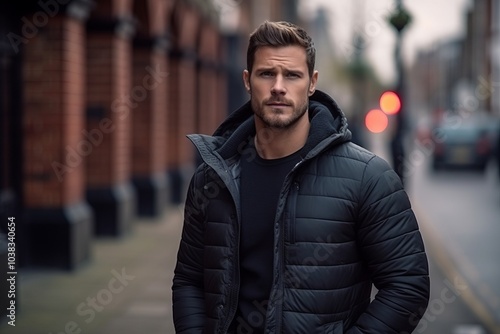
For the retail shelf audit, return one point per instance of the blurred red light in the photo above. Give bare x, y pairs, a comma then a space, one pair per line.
390, 103
376, 121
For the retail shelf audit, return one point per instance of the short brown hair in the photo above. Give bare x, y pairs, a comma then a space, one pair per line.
277, 34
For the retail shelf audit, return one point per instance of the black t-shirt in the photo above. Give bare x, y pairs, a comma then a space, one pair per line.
261, 183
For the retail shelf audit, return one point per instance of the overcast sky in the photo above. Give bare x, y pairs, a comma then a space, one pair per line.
433, 20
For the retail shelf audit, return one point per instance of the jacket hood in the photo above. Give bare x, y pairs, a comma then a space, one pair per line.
328, 126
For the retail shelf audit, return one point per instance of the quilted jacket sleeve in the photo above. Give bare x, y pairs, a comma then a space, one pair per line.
393, 249
187, 290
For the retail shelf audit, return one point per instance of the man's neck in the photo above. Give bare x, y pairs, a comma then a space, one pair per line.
272, 143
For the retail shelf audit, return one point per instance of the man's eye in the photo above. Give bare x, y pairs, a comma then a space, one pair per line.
293, 75
266, 74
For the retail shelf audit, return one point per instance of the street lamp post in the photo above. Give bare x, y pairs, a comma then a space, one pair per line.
399, 20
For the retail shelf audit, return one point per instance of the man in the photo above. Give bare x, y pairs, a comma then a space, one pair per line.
287, 224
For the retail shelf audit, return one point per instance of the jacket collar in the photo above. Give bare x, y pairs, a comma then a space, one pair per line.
328, 126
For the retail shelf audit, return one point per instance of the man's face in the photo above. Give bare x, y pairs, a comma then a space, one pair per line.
280, 86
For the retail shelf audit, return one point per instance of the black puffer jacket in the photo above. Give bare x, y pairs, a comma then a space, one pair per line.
343, 223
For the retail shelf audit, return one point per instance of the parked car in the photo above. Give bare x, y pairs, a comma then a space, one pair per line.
463, 143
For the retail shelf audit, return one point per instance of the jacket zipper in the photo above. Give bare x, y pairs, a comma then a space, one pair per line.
234, 289
281, 245
294, 191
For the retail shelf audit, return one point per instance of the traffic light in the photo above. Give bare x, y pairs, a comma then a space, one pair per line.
376, 120
390, 102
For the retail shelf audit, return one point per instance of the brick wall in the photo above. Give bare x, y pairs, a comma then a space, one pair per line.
159, 105
122, 67
142, 116
208, 90
222, 81
82, 101
149, 116
183, 84
53, 115
186, 111
173, 131
109, 101
112, 8
99, 91
100, 117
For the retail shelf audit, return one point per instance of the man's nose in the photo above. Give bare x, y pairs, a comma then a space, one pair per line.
278, 87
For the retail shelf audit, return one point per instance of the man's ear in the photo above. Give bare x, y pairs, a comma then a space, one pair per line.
246, 80
312, 84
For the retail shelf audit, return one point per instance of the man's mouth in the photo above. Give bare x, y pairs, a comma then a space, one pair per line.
278, 104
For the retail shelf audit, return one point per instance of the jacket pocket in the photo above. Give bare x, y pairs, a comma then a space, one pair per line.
333, 328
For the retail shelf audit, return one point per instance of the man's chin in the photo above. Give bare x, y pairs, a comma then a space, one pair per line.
277, 122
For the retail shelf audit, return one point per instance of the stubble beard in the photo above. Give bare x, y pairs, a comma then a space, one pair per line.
271, 119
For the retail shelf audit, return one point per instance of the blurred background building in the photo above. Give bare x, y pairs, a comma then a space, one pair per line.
96, 99
462, 74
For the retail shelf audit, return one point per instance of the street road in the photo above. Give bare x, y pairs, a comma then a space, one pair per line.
459, 215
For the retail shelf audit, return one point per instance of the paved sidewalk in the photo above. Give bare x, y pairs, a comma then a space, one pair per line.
125, 288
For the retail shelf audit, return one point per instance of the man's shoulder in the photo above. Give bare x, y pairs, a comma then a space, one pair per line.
356, 158
352, 151
353, 162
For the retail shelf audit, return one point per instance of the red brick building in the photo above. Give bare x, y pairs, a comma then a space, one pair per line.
96, 98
